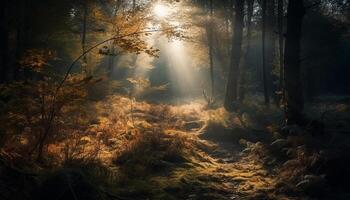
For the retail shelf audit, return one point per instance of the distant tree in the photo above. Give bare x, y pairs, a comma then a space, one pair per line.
242, 89
210, 37
280, 9
265, 71
270, 46
83, 33
234, 71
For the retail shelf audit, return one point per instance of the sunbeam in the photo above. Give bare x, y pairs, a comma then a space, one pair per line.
161, 10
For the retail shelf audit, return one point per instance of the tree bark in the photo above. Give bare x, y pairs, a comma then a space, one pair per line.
210, 44
4, 46
83, 35
270, 47
293, 86
242, 90
232, 84
20, 39
264, 69
280, 43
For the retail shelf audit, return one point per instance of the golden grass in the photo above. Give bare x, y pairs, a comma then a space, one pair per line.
155, 150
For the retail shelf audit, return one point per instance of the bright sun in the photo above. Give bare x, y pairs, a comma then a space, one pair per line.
161, 10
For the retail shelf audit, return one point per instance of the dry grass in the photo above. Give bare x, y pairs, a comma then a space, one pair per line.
140, 150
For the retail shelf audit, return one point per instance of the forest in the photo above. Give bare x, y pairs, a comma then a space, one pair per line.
174, 99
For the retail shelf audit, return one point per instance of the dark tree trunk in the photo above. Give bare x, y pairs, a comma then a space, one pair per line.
232, 84
280, 43
83, 36
270, 47
264, 68
111, 61
242, 90
210, 44
4, 46
20, 33
293, 86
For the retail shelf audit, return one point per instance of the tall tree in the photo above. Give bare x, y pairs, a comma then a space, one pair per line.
280, 9
21, 12
293, 87
270, 50
83, 34
211, 48
232, 83
4, 46
264, 68
242, 89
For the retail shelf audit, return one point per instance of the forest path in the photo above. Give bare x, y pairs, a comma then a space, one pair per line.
219, 169
230, 174
206, 162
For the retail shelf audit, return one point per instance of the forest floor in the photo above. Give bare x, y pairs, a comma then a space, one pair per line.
136, 150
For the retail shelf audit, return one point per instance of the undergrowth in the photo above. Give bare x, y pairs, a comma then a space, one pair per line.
128, 149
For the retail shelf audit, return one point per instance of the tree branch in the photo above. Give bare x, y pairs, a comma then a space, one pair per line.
53, 108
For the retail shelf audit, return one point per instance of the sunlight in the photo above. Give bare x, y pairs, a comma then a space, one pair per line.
161, 10
180, 67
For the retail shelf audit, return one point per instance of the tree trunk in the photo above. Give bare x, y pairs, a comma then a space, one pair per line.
20, 32
83, 36
281, 44
264, 69
4, 46
232, 84
242, 90
210, 44
293, 86
111, 61
270, 47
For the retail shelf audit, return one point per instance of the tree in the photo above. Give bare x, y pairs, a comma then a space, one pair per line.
250, 9
294, 95
280, 9
232, 83
264, 67
4, 41
270, 46
20, 29
83, 34
210, 34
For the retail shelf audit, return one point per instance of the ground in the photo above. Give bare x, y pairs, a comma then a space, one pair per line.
137, 150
